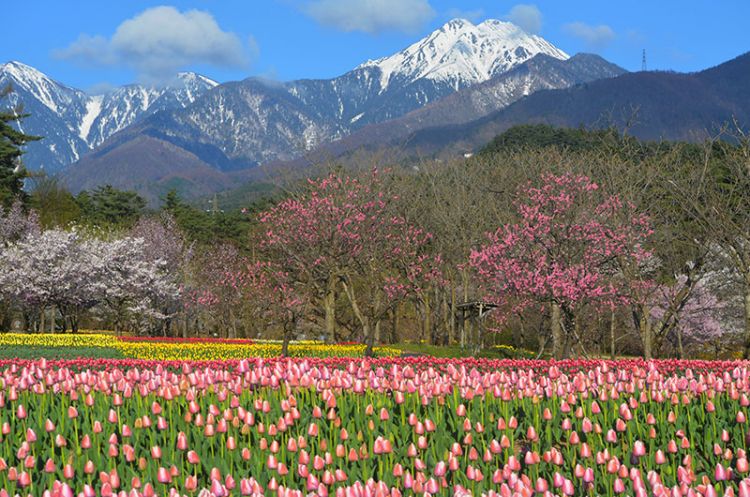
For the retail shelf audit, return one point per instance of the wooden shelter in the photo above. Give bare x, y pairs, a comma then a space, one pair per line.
471, 314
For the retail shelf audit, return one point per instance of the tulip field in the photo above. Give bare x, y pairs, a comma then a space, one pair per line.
188, 349
373, 427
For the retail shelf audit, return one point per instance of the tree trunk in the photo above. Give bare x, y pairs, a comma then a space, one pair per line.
6, 321
680, 348
232, 324
612, 326
644, 326
518, 333
394, 325
426, 320
285, 343
329, 303
452, 335
465, 283
41, 321
368, 338
73, 318
746, 354
445, 318
558, 334
364, 320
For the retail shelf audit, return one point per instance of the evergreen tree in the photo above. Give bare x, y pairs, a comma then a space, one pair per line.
12, 172
108, 206
53, 203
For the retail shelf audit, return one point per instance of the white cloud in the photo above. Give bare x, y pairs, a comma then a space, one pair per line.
526, 16
593, 36
160, 41
371, 16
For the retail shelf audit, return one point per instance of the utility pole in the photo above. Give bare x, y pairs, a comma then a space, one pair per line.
643, 61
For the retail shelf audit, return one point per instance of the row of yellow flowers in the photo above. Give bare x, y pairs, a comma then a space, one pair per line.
193, 351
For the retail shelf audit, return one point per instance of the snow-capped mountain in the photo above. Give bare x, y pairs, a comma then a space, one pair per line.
250, 122
73, 122
238, 125
457, 55
123, 106
462, 54
541, 72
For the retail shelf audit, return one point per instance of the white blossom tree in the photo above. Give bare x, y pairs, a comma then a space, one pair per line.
51, 268
133, 287
73, 274
15, 224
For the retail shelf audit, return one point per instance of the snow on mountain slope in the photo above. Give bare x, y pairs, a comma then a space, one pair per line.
250, 122
461, 54
73, 122
129, 104
53, 95
245, 123
93, 109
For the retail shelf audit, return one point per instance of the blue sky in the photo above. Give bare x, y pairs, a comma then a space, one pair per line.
91, 44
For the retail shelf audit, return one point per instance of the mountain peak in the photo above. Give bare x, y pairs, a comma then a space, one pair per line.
461, 53
193, 77
48, 91
18, 66
456, 24
23, 73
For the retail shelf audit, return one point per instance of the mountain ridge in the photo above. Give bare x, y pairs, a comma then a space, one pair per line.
74, 122
266, 124
653, 105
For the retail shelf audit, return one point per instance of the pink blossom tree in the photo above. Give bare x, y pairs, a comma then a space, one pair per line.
215, 292
280, 300
343, 236
561, 252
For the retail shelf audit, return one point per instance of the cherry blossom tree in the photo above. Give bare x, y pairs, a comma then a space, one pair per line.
276, 297
165, 244
52, 268
133, 286
15, 224
72, 273
561, 252
690, 313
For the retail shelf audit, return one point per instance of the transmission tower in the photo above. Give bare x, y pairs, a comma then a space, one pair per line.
643, 61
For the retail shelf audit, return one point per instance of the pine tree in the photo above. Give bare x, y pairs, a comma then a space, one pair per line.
12, 171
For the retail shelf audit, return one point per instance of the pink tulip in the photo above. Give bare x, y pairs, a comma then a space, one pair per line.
618, 486
192, 457
24, 479
639, 449
163, 476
